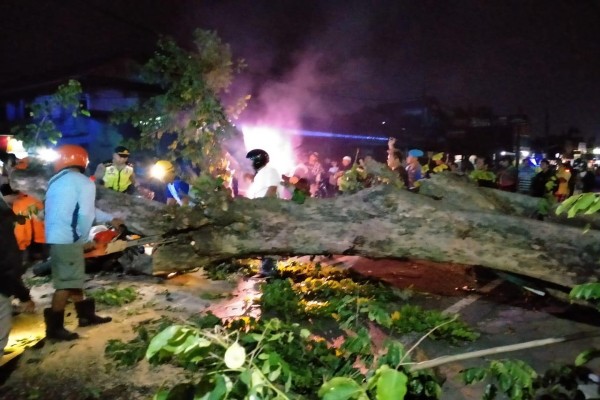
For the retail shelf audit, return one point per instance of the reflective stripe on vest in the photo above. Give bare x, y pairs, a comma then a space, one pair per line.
118, 180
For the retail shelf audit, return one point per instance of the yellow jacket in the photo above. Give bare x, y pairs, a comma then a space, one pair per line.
118, 180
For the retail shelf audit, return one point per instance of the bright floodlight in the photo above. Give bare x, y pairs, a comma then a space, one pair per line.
276, 142
525, 153
596, 150
16, 147
47, 155
158, 172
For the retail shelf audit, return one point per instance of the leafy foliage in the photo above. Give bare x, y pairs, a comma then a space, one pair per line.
114, 296
271, 359
517, 380
585, 203
514, 378
353, 180
127, 354
42, 130
351, 303
189, 107
586, 291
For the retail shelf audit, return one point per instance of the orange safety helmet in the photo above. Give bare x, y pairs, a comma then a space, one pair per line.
71, 155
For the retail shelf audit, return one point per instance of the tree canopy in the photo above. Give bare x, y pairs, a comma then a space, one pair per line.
188, 105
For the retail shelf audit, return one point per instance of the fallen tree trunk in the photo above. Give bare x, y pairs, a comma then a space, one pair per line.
449, 221
383, 222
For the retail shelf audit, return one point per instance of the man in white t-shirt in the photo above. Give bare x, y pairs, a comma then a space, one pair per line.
266, 180
265, 184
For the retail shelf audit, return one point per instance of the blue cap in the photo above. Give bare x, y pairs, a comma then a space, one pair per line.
415, 153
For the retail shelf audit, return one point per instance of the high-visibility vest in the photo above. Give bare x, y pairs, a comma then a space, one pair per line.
33, 229
116, 179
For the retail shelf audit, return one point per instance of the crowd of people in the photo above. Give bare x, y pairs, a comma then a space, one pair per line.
59, 227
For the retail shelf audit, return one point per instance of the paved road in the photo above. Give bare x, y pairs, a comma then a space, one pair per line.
504, 313
510, 315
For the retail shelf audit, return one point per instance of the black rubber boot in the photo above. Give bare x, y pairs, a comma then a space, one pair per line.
55, 326
86, 312
268, 268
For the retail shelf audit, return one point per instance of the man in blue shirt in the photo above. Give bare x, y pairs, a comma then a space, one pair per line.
70, 212
177, 190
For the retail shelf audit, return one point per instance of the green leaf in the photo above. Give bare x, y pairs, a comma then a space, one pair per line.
473, 375
266, 367
585, 201
246, 377
587, 356
565, 205
394, 353
304, 333
505, 382
340, 388
162, 394
516, 392
188, 344
161, 340
594, 208
275, 374
391, 384
222, 388
572, 212
587, 291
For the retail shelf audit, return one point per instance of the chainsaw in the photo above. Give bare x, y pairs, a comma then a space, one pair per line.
111, 241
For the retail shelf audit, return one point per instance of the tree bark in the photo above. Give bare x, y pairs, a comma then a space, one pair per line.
450, 220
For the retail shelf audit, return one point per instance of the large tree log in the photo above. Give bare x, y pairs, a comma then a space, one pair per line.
450, 220
384, 222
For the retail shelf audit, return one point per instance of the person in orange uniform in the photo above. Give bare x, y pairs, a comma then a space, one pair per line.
563, 175
32, 231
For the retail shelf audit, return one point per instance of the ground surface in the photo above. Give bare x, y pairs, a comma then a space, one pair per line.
502, 312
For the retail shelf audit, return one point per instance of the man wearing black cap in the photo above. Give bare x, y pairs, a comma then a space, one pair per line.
117, 175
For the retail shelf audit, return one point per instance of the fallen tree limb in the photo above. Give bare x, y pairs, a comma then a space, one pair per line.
450, 221
436, 362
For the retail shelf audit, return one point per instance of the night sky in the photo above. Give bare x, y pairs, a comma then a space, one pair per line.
322, 58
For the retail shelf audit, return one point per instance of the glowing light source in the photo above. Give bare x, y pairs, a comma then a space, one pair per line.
275, 142
340, 136
525, 153
158, 172
16, 147
47, 155
596, 150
